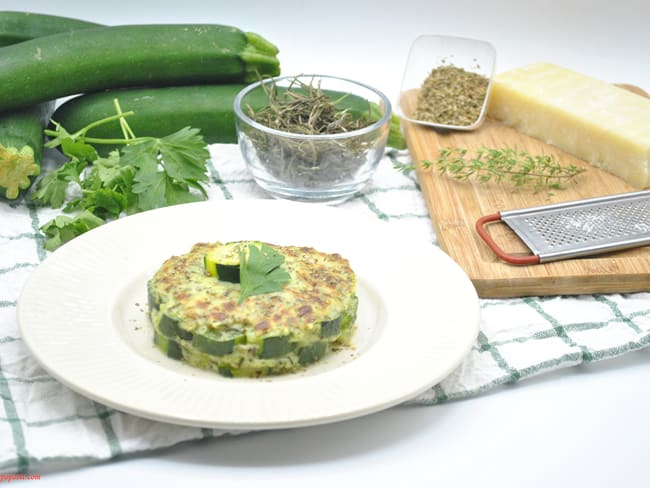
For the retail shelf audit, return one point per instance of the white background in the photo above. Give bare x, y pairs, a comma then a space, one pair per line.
587, 426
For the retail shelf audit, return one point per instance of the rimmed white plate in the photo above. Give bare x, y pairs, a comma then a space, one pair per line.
82, 314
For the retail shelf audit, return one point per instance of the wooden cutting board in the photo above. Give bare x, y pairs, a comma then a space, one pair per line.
455, 206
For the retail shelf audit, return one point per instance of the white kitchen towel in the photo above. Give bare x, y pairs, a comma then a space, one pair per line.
44, 425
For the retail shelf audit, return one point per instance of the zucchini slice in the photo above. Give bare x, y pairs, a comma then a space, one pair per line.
217, 343
152, 303
331, 328
169, 327
169, 347
312, 353
350, 318
223, 263
276, 346
224, 371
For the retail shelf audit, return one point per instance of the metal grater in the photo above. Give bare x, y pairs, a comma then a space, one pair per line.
575, 229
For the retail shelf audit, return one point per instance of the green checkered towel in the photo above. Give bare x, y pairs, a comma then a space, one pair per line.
518, 338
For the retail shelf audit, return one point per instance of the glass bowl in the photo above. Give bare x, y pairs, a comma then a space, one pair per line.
328, 168
432, 51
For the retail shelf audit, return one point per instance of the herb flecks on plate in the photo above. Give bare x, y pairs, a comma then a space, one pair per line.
261, 271
147, 173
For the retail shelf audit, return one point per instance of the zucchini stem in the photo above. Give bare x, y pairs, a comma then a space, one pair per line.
260, 44
259, 55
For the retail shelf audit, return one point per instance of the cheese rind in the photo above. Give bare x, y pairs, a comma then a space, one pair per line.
600, 123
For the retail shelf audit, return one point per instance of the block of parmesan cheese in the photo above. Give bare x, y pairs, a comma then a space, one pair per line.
607, 126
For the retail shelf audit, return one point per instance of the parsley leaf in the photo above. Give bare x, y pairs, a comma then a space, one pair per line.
109, 172
78, 150
183, 154
51, 190
167, 168
261, 272
62, 229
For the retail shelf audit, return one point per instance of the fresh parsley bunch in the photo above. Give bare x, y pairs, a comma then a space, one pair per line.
146, 173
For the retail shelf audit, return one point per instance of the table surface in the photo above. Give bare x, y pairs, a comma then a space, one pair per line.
584, 426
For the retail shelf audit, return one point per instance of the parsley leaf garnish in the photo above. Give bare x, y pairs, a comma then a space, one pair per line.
147, 173
261, 271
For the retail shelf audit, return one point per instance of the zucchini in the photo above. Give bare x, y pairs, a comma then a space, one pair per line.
18, 27
275, 346
169, 327
217, 343
160, 111
312, 353
21, 147
152, 301
223, 263
224, 272
98, 58
168, 346
225, 371
157, 112
331, 328
348, 320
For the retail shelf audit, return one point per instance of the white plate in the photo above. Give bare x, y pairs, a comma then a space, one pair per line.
82, 314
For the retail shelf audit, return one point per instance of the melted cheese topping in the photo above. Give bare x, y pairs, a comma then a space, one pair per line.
319, 290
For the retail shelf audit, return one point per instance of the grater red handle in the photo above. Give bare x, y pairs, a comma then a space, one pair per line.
480, 228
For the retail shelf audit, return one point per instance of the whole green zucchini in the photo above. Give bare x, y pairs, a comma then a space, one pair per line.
93, 59
18, 27
158, 112
164, 110
21, 147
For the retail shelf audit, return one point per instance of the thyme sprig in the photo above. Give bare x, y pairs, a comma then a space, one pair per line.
523, 169
518, 166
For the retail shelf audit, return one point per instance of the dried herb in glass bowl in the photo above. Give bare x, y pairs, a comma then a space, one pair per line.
312, 137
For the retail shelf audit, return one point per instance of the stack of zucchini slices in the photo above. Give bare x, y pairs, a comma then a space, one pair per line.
198, 317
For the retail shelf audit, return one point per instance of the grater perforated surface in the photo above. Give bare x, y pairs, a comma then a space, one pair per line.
583, 227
